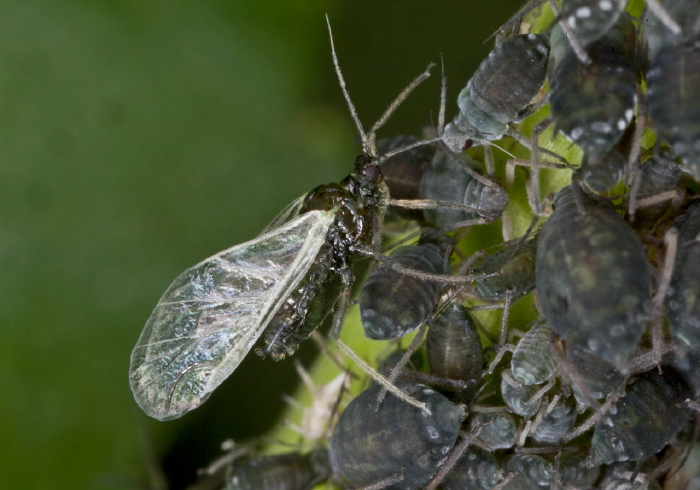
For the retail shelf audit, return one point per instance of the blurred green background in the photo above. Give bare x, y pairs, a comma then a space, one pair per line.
139, 137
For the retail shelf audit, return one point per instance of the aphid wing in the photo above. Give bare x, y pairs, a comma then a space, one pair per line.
289, 212
212, 314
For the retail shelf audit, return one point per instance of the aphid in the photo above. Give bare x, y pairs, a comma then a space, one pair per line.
593, 277
557, 421
575, 471
370, 442
403, 172
624, 477
447, 180
658, 176
673, 80
454, 348
500, 91
533, 361
531, 472
591, 19
683, 298
511, 269
522, 399
283, 283
594, 103
290, 471
648, 416
393, 304
497, 430
599, 376
476, 470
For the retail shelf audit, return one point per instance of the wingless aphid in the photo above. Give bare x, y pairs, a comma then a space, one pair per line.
594, 103
289, 471
454, 348
683, 298
447, 180
500, 91
644, 420
673, 80
393, 304
371, 443
593, 277
284, 284
476, 470
510, 270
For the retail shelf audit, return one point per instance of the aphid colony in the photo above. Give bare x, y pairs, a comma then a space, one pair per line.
594, 382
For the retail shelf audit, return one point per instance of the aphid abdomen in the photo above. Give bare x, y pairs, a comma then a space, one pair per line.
599, 376
446, 180
370, 443
658, 174
519, 398
533, 361
591, 19
575, 471
514, 269
644, 420
520, 60
454, 347
593, 278
683, 298
393, 304
593, 104
305, 309
476, 470
557, 423
290, 471
673, 82
497, 430
531, 472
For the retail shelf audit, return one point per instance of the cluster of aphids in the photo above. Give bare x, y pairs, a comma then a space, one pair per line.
598, 392
598, 389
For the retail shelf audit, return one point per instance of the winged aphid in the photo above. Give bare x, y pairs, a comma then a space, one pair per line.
280, 286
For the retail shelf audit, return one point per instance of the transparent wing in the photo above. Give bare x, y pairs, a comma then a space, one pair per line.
212, 314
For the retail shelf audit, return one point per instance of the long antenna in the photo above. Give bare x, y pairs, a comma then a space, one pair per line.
353, 112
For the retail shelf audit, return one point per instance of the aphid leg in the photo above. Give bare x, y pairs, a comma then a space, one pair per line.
343, 303
504, 318
596, 416
380, 379
657, 304
506, 479
663, 16
455, 454
557, 475
384, 482
571, 36
440, 278
412, 348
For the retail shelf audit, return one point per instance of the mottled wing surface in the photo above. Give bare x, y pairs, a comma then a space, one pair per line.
212, 314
